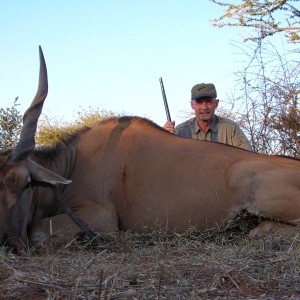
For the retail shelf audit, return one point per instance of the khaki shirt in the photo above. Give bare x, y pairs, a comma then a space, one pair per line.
221, 130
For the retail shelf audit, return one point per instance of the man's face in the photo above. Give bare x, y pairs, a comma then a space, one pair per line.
205, 108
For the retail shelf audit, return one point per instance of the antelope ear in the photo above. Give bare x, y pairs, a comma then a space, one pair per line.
42, 174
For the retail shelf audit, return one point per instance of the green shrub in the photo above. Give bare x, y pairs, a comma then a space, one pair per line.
10, 125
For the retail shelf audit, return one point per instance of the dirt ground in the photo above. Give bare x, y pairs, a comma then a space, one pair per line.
221, 264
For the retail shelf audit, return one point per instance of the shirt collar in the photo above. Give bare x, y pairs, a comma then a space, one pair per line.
213, 126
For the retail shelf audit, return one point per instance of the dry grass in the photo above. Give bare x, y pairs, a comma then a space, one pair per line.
221, 264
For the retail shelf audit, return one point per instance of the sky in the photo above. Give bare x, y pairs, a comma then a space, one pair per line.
109, 55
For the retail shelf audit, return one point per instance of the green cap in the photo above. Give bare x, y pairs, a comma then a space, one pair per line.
203, 90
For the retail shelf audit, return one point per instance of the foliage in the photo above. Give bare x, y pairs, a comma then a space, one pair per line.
266, 100
10, 125
51, 130
266, 97
265, 17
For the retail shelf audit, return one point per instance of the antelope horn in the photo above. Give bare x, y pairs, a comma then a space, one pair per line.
27, 138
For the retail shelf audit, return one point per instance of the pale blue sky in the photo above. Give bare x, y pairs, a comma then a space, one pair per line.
110, 54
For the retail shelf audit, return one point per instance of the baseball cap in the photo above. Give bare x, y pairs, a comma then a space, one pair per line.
203, 90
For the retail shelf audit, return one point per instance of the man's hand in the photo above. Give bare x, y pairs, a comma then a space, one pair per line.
170, 126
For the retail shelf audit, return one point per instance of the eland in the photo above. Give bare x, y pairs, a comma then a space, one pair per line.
129, 173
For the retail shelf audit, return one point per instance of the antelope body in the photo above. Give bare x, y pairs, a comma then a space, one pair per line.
130, 173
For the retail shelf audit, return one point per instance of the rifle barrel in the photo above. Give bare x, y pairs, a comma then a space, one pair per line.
165, 99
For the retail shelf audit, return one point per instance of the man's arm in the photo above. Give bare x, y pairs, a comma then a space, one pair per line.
240, 140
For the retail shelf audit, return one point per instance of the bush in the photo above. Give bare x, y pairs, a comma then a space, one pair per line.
52, 131
10, 125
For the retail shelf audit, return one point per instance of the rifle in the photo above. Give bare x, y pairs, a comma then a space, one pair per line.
165, 99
